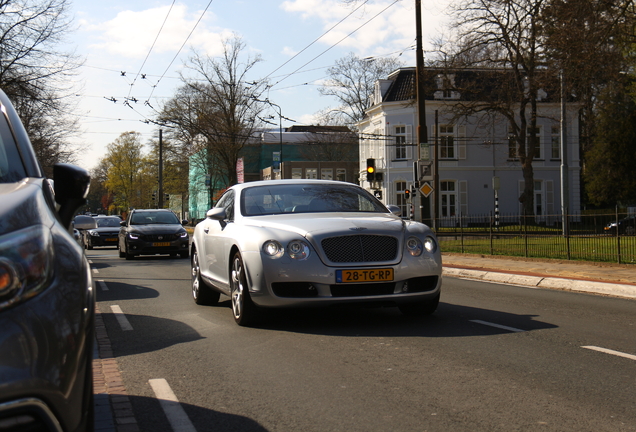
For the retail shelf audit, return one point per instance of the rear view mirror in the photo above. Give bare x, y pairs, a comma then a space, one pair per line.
71, 185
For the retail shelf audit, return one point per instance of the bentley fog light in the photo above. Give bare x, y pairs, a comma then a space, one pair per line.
414, 246
273, 248
298, 250
430, 244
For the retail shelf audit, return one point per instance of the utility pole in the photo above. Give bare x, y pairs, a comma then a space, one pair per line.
160, 200
565, 193
422, 134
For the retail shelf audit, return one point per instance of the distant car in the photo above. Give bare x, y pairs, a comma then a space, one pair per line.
153, 232
105, 234
82, 223
304, 243
78, 237
47, 298
626, 226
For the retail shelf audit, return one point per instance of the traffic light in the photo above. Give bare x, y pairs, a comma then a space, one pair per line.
166, 197
154, 196
407, 194
370, 169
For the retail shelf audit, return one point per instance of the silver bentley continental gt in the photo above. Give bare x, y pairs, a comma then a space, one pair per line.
306, 243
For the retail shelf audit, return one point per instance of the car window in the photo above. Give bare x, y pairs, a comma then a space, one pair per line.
307, 198
11, 167
227, 202
148, 218
107, 222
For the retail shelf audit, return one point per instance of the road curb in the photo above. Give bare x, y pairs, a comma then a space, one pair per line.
539, 281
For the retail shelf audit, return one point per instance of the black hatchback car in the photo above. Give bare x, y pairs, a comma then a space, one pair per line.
105, 234
46, 292
153, 232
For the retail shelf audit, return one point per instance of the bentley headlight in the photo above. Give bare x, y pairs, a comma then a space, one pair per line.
273, 248
414, 246
298, 250
430, 244
26, 264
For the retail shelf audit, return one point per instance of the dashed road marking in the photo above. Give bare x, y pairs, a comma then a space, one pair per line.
609, 351
102, 285
121, 318
177, 417
95, 270
499, 326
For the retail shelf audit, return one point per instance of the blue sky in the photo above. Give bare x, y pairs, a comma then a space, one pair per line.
115, 37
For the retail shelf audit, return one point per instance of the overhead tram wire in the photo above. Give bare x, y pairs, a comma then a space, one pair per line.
337, 43
317, 39
179, 51
151, 48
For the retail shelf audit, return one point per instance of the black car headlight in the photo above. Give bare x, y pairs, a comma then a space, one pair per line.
93, 233
133, 236
26, 264
183, 234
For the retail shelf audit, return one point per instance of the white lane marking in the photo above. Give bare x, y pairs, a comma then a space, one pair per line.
121, 318
102, 285
177, 417
90, 261
95, 270
512, 329
609, 351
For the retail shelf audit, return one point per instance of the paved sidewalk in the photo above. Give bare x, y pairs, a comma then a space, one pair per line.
599, 278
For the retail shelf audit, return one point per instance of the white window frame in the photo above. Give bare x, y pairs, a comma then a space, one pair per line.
400, 143
446, 150
311, 173
555, 142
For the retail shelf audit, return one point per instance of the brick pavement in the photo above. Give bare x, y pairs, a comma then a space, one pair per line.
113, 410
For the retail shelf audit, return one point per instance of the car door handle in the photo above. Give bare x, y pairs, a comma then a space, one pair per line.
206, 230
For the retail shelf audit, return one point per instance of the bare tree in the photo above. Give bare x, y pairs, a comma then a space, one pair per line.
37, 76
217, 108
351, 81
505, 37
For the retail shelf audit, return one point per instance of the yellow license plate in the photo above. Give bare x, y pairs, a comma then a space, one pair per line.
111, 239
159, 244
364, 275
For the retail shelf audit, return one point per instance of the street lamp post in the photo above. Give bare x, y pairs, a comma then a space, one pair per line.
280, 130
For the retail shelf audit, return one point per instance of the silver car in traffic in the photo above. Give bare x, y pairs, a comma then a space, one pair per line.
305, 243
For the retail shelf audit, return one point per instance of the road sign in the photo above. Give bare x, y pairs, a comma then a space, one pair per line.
426, 189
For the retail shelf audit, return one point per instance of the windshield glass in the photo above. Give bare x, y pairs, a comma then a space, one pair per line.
107, 222
11, 168
308, 198
146, 218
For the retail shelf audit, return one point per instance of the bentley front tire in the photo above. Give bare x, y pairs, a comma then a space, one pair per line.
243, 309
201, 293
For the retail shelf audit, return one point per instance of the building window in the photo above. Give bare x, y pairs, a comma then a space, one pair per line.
555, 143
297, 173
401, 202
448, 198
400, 142
447, 142
538, 197
341, 174
311, 173
326, 174
512, 147
538, 154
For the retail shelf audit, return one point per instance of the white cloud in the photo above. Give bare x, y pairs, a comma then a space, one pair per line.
132, 33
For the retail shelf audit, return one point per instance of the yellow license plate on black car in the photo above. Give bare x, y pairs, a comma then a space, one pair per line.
159, 244
364, 275
112, 239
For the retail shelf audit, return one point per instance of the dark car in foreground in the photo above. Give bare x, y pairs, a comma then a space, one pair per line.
46, 292
310, 243
105, 234
625, 226
153, 232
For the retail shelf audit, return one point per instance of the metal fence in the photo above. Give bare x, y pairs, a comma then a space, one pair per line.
589, 237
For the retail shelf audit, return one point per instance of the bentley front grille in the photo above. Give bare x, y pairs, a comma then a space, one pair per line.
360, 248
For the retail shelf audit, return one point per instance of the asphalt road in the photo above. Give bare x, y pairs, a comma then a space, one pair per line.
492, 358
